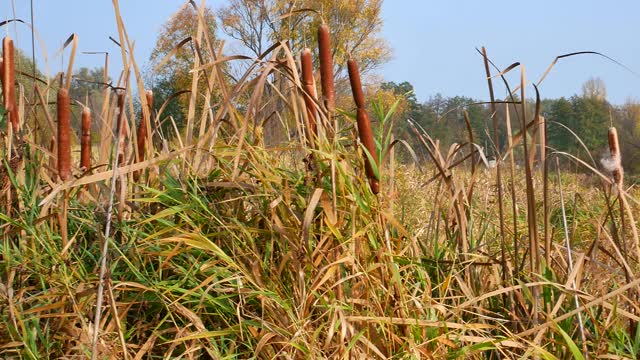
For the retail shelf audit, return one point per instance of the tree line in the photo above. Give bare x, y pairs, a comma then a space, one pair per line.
572, 122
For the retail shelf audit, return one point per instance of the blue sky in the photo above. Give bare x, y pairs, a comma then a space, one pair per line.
433, 41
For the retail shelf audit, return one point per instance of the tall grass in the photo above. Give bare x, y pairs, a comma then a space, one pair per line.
215, 246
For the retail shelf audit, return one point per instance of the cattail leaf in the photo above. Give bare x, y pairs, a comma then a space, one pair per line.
372, 163
575, 352
171, 53
295, 12
555, 61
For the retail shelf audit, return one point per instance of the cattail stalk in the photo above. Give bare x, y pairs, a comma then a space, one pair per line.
121, 139
8, 84
364, 125
64, 154
310, 94
618, 177
85, 141
64, 134
326, 68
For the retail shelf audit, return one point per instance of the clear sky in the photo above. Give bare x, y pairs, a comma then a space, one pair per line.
433, 41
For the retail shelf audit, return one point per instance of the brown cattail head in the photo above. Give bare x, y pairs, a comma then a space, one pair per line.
366, 138
85, 141
64, 134
2, 75
326, 67
8, 82
120, 119
142, 128
121, 128
310, 90
356, 84
615, 158
141, 134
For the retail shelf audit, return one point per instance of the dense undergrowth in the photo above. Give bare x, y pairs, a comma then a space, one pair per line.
226, 248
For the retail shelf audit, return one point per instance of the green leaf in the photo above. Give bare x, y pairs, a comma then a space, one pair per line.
570, 344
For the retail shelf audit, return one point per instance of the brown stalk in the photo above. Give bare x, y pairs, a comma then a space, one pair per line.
531, 209
618, 177
534, 253
121, 140
8, 83
364, 125
85, 141
498, 159
64, 134
310, 93
545, 189
53, 159
326, 67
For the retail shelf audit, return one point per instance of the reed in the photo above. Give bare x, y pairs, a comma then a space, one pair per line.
498, 159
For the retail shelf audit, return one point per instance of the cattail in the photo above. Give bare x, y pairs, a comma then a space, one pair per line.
310, 90
326, 67
121, 128
364, 125
8, 83
141, 134
614, 162
85, 141
64, 134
